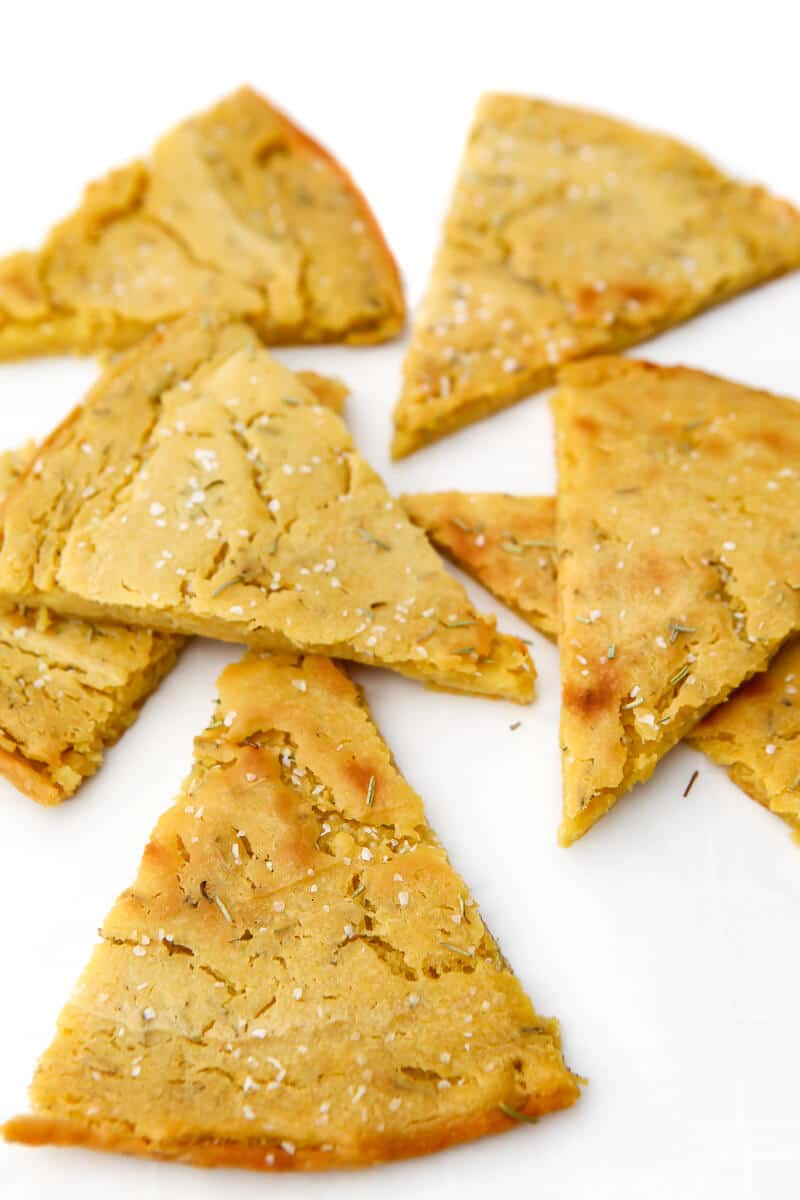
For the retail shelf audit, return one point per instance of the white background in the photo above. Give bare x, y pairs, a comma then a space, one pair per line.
666, 941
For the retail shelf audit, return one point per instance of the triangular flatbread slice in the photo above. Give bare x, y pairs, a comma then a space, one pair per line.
202, 489
505, 542
570, 234
298, 978
756, 736
236, 207
70, 688
679, 561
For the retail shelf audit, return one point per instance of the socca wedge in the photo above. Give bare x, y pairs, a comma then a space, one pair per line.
570, 234
236, 207
202, 489
679, 561
297, 979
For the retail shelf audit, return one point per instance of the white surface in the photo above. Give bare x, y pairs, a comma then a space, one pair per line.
666, 941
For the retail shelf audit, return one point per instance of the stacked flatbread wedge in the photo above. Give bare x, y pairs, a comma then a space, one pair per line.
507, 543
201, 488
70, 687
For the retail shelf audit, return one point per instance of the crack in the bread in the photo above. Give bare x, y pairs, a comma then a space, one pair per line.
736, 607
392, 956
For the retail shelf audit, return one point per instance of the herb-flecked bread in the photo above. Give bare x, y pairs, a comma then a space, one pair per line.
508, 544
235, 207
69, 688
679, 561
569, 234
202, 489
505, 542
297, 979
756, 736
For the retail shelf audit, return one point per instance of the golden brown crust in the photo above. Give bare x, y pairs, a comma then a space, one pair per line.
237, 208
227, 502
46, 1131
28, 778
396, 315
678, 563
297, 979
571, 234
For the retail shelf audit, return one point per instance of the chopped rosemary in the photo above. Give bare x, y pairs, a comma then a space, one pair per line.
459, 524
516, 1115
514, 725
362, 887
611, 652
292, 400
223, 909
371, 791
583, 620
228, 583
675, 629
458, 950
680, 674
690, 784
464, 650
370, 537
512, 548
458, 624
547, 543
633, 703
423, 637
